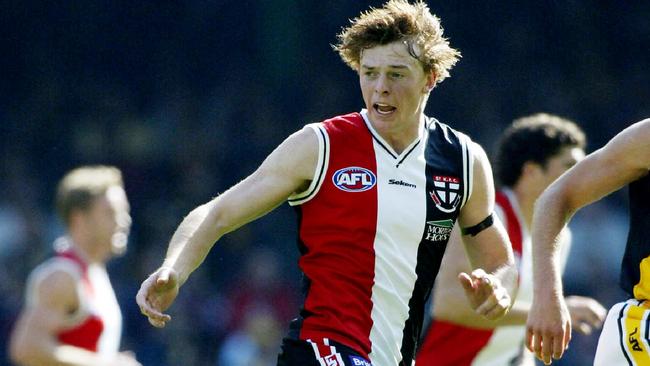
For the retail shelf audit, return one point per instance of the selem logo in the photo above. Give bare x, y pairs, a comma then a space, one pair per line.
354, 179
438, 230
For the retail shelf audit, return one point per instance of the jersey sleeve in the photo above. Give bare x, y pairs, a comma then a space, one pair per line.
321, 167
468, 166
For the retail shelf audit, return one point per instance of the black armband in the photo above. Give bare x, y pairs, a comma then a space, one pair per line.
473, 230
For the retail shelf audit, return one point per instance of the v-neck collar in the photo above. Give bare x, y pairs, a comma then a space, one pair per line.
385, 145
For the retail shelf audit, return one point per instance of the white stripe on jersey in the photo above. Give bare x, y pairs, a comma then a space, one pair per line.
396, 249
468, 167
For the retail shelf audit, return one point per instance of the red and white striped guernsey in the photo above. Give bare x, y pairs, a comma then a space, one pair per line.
97, 324
373, 227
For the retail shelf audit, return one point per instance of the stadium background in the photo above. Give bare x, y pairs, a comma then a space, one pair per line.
188, 97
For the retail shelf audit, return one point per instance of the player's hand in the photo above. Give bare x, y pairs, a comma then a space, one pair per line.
156, 295
485, 293
586, 313
548, 330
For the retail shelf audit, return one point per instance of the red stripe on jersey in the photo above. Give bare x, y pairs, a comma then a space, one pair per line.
448, 344
337, 230
512, 225
85, 335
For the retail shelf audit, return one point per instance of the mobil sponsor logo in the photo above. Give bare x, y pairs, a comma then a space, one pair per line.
359, 361
354, 179
445, 193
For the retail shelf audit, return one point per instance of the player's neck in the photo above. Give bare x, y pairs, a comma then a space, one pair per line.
399, 135
85, 248
526, 202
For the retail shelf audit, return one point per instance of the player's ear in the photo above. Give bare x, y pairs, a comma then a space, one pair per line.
432, 78
530, 169
76, 217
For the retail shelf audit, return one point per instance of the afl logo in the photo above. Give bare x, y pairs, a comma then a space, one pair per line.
354, 179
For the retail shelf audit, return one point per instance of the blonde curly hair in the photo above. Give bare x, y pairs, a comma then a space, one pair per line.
399, 20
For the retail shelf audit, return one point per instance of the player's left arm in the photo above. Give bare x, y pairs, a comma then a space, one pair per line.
492, 284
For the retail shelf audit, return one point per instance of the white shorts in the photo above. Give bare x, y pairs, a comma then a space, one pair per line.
624, 338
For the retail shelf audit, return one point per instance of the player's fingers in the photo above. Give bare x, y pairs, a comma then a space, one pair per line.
567, 334
154, 315
499, 309
148, 305
547, 349
529, 339
141, 297
163, 276
583, 328
598, 315
487, 305
487, 282
558, 347
156, 323
466, 281
537, 346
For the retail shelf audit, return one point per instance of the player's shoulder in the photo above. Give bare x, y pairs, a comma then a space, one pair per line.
56, 274
630, 145
640, 134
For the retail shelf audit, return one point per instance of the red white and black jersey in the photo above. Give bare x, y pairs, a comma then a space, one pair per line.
97, 324
373, 227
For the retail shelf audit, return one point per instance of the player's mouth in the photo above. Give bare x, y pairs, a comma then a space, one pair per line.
384, 109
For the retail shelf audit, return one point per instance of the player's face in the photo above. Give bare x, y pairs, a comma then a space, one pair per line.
393, 84
561, 162
110, 220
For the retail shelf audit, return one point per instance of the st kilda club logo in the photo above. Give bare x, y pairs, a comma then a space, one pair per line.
445, 193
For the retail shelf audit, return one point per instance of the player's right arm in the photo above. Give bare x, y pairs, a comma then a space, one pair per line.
449, 299
34, 340
288, 169
624, 159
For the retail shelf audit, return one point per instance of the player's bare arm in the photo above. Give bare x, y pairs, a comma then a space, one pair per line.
450, 302
491, 286
34, 341
624, 159
288, 169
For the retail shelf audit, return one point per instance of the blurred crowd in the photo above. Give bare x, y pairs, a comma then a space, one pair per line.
188, 97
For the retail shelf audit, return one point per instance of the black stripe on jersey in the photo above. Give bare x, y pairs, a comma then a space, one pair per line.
321, 173
637, 247
443, 155
621, 336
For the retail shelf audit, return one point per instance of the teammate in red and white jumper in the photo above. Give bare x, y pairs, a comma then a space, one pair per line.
377, 193
532, 153
71, 315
